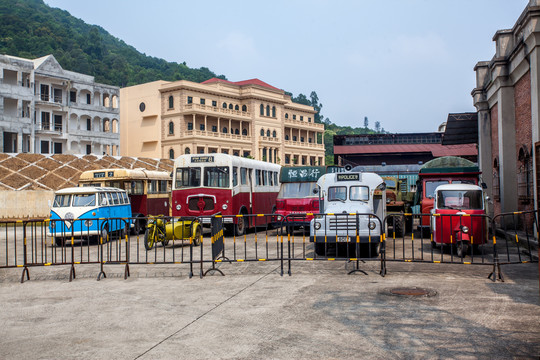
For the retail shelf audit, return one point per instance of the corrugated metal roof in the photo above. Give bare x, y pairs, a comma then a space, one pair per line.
436, 150
461, 128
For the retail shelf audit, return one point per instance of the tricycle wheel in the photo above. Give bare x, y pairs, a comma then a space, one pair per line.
148, 240
462, 248
198, 236
240, 227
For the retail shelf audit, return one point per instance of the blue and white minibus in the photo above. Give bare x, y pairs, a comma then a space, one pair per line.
85, 212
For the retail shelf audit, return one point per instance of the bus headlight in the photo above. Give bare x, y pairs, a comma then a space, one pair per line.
224, 206
317, 225
372, 225
88, 223
465, 229
178, 207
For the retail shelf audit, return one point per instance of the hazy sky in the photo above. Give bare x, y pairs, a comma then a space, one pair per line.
404, 63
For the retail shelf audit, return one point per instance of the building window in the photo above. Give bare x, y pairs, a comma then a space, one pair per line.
45, 121
294, 117
267, 110
58, 123
88, 149
190, 100
244, 132
287, 159
44, 147
201, 127
268, 132
187, 151
214, 103
310, 140
286, 115
171, 154
73, 96
189, 126
301, 118
142, 107
171, 128
303, 160
246, 154
214, 128
236, 131
224, 105
89, 124
301, 139
230, 106
294, 138
203, 101
273, 111
496, 181
244, 108
262, 132
308, 119
274, 134
88, 99
57, 148
525, 176
262, 110
171, 102
236, 107
224, 130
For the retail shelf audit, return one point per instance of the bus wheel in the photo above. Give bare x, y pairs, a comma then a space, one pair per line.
105, 234
240, 226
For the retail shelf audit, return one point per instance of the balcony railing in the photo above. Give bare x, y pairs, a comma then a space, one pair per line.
305, 124
211, 134
268, 138
216, 109
304, 144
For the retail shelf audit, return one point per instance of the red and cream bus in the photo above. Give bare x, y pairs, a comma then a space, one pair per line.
149, 190
209, 184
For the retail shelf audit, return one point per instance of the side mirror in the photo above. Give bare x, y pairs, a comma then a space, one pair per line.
316, 190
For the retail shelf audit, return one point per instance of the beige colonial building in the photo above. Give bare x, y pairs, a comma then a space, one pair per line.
246, 118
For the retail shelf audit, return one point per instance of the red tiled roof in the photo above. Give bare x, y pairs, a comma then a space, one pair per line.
437, 150
242, 83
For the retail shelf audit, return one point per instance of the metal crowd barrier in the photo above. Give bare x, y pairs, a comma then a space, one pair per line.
508, 238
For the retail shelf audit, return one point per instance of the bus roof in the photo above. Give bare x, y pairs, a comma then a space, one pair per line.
222, 160
135, 174
370, 180
86, 190
449, 164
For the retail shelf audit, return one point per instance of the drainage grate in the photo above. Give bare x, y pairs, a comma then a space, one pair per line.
413, 291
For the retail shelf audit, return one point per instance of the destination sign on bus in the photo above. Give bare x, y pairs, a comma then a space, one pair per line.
202, 159
101, 174
348, 177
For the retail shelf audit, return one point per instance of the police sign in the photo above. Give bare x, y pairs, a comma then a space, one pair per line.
348, 177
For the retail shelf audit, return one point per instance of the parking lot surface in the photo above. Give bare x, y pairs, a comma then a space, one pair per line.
252, 312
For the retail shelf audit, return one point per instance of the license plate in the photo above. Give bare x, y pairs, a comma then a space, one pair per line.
342, 239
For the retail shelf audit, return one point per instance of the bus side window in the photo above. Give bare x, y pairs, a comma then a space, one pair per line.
162, 186
271, 177
120, 198
258, 177
265, 177
235, 176
152, 187
102, 199
109, 197
126, 198
243, 176
115, 198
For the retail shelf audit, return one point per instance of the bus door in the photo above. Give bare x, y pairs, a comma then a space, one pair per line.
250, 191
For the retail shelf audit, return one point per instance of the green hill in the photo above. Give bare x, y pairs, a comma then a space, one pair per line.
31, 29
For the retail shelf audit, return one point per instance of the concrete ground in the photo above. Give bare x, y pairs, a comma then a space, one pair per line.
319, 312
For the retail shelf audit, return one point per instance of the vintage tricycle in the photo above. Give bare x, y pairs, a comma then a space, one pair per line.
164, 229
458, 217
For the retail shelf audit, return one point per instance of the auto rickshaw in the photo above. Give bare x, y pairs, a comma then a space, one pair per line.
458, 217
164, 229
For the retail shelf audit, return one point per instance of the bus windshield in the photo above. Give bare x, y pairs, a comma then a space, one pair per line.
62, 200
216, 176
297, 190
84, 200
431, 186
188, 177
460, 199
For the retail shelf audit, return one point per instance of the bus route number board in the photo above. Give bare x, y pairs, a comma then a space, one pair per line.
202, 159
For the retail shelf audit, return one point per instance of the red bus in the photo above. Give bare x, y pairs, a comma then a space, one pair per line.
210, 184
148, 190
441, 171
299, 193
